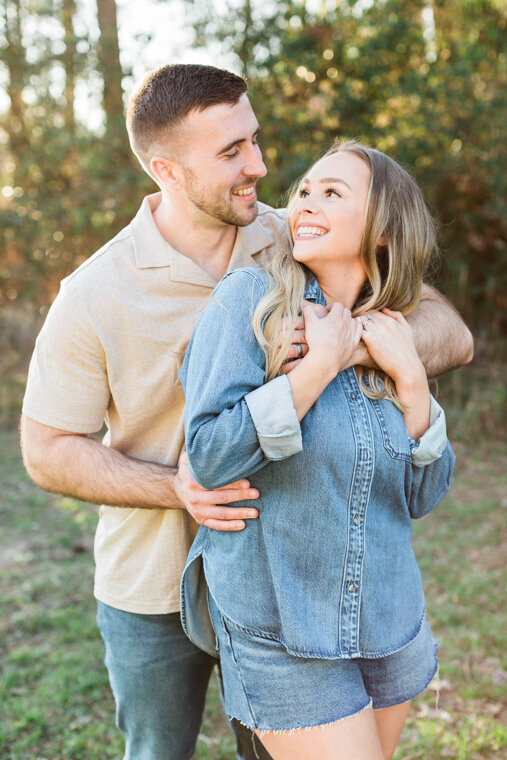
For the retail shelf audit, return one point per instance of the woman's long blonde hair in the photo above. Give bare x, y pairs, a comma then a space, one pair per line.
395, 210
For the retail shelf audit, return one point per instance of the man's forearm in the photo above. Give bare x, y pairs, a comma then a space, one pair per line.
442, 339
78, 466
85, 469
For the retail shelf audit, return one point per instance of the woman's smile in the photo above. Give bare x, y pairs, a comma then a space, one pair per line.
305, 232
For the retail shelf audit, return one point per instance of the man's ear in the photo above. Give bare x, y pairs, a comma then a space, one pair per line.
165, 171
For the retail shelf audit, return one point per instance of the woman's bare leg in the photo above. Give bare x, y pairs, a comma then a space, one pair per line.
390, 722
354, 738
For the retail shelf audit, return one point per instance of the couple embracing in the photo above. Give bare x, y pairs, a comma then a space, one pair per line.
307, 409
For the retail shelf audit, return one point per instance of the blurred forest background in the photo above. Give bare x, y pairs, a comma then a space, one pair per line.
424, 81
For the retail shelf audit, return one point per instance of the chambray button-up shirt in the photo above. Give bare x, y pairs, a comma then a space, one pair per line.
328, 568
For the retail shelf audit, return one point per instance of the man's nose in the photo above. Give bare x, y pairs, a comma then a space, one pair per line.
254, 165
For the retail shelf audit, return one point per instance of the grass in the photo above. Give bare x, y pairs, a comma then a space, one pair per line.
54, 692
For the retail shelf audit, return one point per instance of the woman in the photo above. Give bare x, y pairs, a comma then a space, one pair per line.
317, 606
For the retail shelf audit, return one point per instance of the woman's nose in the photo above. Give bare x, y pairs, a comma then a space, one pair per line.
307, 205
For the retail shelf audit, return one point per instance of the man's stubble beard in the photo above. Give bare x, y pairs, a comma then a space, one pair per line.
217, 208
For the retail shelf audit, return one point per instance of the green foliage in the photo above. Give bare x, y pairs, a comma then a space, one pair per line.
66, 190
45, 235
428, 93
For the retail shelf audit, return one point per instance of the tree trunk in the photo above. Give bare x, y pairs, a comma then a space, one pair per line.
17, 67
110, 67
69, 61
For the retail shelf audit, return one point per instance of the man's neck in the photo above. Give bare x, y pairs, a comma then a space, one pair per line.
206, 241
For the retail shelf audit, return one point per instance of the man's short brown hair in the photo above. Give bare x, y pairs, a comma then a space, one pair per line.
167, 95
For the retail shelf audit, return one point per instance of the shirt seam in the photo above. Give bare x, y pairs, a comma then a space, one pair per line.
120, 237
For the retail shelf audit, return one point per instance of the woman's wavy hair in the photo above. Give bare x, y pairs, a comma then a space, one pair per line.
395, 211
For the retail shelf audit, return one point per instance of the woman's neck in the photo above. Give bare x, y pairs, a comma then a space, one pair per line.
341, 283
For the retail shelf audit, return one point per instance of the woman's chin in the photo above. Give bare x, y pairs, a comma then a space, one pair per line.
301, 255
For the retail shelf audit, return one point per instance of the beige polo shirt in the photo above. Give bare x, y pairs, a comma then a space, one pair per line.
111, 349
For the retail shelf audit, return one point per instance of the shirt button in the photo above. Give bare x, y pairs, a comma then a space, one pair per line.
352, 586
355, 520
353, 395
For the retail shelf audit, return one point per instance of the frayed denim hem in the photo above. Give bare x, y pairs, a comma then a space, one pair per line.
260, 732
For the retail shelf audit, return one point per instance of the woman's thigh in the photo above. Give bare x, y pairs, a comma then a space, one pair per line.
390, 722
353, 738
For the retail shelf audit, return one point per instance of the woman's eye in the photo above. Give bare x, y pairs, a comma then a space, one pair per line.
332, 191
302, 193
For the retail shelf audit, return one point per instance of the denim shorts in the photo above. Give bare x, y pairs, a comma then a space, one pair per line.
268, 689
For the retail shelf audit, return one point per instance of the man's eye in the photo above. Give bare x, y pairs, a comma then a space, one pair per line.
231, 155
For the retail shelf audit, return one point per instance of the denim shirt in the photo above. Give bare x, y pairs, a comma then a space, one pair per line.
328, 568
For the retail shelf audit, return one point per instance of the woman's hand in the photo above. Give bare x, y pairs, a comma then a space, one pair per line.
332, 338
298, 347
389, 340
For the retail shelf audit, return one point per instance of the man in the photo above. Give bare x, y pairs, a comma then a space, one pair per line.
111, 349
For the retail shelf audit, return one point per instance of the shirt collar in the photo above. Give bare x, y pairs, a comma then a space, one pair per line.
152, 250
313, 292
250, 242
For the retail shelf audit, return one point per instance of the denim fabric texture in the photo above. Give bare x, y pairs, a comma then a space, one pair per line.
268, 689
159, 680
328, 569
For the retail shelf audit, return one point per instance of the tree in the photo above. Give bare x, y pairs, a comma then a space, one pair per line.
18, 71
63, 186
110, 67
70, 60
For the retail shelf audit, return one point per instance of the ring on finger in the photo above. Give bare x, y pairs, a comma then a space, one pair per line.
369, 318
299, 349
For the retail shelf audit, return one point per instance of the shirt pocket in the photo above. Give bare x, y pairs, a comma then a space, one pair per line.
393, 430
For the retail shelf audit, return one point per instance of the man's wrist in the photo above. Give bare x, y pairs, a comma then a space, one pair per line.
177, 490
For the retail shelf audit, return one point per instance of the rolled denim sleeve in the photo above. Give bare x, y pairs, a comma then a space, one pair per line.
432, 443
429, 484
432, 465
272, 410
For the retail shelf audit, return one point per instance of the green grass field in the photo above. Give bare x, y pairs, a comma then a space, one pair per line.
54, 693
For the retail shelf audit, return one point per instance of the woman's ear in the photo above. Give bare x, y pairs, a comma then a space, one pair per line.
382, 241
